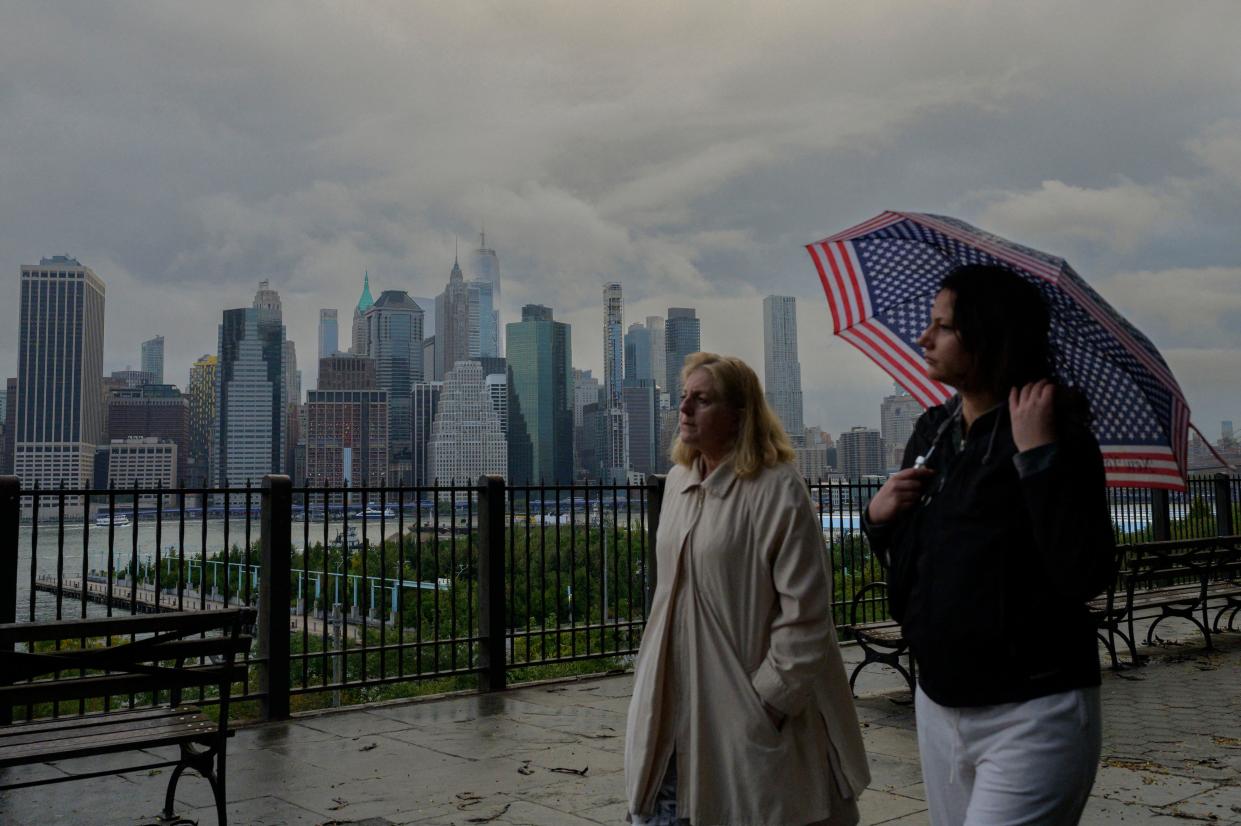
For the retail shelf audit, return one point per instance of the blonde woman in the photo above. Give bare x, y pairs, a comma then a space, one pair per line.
741, 712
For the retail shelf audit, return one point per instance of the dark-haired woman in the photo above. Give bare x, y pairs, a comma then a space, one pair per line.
996, 533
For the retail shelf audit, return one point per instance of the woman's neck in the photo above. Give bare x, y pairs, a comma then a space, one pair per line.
974, 403
709, 464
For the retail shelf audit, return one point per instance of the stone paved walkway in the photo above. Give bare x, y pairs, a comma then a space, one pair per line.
552, 755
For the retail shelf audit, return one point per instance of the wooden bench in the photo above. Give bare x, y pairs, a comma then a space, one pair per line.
1178, 578
122, 658
881, 641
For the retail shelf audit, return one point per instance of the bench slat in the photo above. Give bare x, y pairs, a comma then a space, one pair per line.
187, 622
62, 690
51, 725
40, 732
85, 746
23, 665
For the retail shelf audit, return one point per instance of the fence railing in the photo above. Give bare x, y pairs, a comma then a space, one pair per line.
373, 593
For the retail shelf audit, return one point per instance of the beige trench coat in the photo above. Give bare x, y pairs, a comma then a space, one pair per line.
741, 617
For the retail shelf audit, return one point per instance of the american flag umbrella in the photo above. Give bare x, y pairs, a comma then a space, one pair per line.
881, 276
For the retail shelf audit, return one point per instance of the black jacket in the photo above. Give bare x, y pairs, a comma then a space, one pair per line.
989, 576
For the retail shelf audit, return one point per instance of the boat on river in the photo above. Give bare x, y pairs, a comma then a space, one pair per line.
116, 520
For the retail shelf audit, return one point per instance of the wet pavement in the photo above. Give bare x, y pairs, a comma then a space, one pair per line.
552, 755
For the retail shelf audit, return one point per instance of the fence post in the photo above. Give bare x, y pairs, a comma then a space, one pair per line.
1223, 506
1161, 519
275, 532
654, 507
493, 671
10, 521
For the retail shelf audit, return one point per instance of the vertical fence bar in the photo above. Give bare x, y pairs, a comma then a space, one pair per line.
276, 528
1223, 506
1161, 518
491, 578
10, 521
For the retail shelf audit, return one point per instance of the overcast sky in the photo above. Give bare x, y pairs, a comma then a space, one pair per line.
688, 150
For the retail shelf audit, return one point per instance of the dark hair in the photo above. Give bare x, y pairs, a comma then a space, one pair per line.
1003, 322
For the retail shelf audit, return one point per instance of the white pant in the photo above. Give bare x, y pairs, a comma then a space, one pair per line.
1030, 763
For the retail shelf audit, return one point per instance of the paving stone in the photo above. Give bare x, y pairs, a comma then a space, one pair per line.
510, 813
1219, 805
106, 801
259, 811
352, 724
893, 742
1104, 812
1145, 787
881, 807
889, 773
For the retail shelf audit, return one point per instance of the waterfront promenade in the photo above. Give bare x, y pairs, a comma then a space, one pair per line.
552, 755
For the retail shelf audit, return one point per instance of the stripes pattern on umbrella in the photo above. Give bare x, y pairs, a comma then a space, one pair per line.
881, 276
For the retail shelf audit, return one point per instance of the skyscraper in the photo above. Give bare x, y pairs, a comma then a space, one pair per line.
638, 349
466, 441
452, 322
345, 371
202, 420
394, 341
291, 432
615, 438
329, 334
613, 344
157, 411
59, 415
153, 359
540, 358
781, 369
358, 344
347, 437
10, 426
897, 415
132, 378
860, 453
484, 337
252, 393
485, 268
615, 435
426, 396
642, 414
659, 356
682, 336
587, 392
497, 389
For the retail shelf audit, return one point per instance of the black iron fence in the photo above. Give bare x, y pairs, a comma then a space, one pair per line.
375, 593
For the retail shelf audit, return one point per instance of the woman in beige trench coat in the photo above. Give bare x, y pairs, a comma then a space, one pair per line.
741, 712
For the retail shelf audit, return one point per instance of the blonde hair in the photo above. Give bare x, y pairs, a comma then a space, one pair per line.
761, 440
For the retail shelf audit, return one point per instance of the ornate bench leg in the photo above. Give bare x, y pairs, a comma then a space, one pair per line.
169, 796
210, 765
1110, 644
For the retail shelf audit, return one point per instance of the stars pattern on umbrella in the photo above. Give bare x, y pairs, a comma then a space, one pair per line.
881, 278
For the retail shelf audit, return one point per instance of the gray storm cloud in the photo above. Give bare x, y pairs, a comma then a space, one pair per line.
686, 150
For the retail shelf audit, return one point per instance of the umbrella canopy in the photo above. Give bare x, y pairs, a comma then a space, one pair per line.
881, 276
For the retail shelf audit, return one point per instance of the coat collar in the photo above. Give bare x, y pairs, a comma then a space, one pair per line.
719, 483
